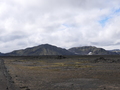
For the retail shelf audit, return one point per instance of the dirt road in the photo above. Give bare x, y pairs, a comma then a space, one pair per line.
5, 79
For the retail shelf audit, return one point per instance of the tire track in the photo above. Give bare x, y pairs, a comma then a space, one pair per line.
6, 82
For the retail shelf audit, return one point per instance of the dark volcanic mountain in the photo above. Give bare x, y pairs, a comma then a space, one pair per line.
1, 54
115, 50
91, 50
44, 49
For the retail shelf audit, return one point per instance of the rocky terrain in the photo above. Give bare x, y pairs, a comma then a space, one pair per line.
6, 82
62, 73
91, 50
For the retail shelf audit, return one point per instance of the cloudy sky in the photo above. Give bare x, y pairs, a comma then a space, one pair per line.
64, 23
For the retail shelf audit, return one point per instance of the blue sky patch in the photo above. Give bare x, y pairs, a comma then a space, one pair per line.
103, 21
117, 11
66, 25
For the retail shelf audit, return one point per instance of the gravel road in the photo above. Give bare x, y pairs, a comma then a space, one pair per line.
5, 79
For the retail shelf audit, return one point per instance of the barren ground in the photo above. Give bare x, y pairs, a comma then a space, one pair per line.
56, 73
3, 81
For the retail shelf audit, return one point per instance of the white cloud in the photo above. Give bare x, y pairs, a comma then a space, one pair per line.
64, 23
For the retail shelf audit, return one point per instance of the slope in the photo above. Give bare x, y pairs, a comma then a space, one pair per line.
44, 49
85, 50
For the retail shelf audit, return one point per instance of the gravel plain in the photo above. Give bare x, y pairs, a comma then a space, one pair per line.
66, 73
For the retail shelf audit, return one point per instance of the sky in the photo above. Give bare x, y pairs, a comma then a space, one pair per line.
63, 23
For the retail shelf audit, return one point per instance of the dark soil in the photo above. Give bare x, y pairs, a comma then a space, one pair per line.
62, 73
6, 82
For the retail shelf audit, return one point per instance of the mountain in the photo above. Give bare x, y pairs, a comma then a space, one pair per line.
90, 50
47, 49
44, 49
115, 50
1, 54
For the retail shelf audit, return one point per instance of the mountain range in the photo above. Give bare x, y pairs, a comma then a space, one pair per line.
115, 50
91, 50
47, 49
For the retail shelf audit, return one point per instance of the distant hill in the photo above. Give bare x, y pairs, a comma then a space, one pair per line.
44, 49
1, 54
115, 50
47, 49
91, 50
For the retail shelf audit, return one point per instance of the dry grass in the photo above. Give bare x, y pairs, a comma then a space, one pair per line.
47, 74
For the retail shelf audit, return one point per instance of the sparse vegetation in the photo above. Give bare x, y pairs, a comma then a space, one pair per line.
70, 73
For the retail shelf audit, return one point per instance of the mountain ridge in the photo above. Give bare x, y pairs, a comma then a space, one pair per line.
43, 49
91, 50
47, 49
